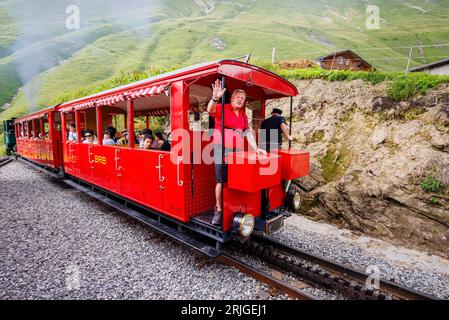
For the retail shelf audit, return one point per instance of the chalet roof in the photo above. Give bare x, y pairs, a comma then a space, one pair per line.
341, 52
430, 65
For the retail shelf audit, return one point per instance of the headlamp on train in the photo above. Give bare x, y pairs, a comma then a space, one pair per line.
244, 224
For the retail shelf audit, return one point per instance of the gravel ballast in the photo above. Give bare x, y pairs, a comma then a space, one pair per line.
57, 243
415, 269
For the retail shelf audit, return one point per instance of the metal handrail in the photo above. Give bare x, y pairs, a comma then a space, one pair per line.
117, 167
89, 154
159, 166
180, 182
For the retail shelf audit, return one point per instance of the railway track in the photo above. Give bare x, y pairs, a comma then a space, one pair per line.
318, 271
263, 277
5, 160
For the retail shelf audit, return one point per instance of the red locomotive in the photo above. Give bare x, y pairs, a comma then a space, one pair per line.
173, 191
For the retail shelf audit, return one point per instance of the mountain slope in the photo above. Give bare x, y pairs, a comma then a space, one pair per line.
50, 63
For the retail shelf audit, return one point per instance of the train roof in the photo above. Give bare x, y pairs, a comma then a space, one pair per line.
36, 114
278, 88
228, 67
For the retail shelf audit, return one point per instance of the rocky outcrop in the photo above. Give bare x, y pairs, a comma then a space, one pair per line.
379, 166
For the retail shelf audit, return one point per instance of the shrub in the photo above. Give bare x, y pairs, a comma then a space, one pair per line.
431, 184
401, 89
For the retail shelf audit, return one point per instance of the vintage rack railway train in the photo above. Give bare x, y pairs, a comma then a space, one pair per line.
172, 191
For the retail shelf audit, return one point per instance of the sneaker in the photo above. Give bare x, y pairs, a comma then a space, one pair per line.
217, 220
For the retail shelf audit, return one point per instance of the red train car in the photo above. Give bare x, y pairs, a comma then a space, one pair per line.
173, 191
38, 139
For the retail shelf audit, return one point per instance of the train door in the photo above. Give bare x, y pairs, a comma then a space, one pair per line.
103, 161
172, 186
141, 176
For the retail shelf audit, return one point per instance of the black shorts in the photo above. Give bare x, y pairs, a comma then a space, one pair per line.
219, 166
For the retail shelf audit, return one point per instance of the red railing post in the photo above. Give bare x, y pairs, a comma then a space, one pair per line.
63, 128
99, 125
41, 125
130, 110
78, 126
147, 121
33, 125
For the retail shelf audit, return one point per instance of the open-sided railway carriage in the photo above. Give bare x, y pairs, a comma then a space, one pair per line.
45, 151
172, 191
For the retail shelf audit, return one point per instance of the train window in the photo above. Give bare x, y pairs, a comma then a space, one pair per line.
69, 119
57, 121
254, 113
199, 97
199, 121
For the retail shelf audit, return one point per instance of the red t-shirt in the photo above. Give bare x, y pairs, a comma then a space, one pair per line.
235, 125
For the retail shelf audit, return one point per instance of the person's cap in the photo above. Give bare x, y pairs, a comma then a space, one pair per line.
276, 110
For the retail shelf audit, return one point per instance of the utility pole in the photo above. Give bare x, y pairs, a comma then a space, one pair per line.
273, 56
409, 58
333, 60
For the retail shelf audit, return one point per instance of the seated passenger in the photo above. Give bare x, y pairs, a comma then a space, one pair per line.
158, 141
124, 140
72, 133
107, 138
89, 137
147, 142
142, 134
113, 132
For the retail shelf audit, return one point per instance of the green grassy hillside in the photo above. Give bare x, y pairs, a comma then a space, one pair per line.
43, 65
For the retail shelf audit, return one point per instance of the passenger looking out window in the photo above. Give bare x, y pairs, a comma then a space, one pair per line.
158, 141
107, 138
142, 134
124, 140
147, 142
113, 132
89, 137
72, 133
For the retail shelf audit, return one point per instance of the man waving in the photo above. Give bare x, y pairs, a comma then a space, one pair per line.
236, 130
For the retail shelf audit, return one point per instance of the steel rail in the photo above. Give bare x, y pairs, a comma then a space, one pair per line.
5, 161
395, 289
265, 278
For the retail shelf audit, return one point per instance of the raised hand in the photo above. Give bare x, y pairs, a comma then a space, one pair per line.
217, 92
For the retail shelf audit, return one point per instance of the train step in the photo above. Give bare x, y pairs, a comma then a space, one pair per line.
206, 219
